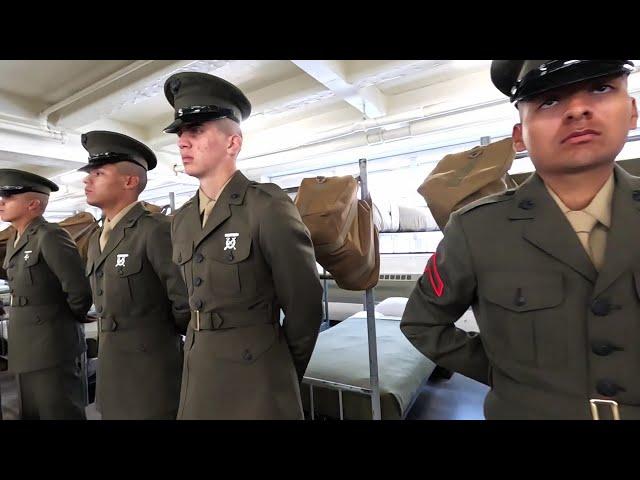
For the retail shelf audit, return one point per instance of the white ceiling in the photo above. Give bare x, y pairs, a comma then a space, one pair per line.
306, 113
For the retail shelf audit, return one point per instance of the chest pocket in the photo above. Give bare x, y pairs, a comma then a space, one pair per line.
523, 291
229, 250
120, 280
28, 257
222, 261
27, 261
121, 266
182, 253
523, 317
181, 256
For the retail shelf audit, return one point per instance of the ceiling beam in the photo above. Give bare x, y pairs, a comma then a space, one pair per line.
138, 84
368, 100
68, 148
469, 89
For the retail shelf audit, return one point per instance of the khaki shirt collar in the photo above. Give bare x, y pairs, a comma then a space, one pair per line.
599, 207
121, 214
205, 200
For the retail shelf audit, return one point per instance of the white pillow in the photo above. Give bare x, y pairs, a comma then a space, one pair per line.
386, 215
392, 306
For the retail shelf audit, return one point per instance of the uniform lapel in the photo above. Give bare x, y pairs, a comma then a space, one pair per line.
191, 211
118, 232
93, 250
24, 239
622, 239
10, 250
547, 229
233, 194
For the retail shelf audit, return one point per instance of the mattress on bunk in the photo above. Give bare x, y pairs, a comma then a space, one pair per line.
409, 242
342, 355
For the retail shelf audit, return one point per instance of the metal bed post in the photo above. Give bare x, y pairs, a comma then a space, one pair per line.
172, 201
371, 320
325, 294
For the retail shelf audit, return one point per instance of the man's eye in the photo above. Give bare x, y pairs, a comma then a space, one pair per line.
548, 103
602, 88
189, 131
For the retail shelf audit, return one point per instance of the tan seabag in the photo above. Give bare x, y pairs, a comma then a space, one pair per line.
356, 264
150, 207
4, 238
461, 178
80, 227
328, 207
342, 230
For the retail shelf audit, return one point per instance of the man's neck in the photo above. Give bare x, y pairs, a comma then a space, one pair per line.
578, 190
112, 210
213, 183
21, 224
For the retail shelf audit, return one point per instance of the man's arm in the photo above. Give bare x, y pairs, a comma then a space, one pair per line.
158, 245
61, 255
443, 293
287, 247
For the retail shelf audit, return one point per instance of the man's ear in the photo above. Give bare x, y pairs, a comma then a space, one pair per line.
34, 204
234, 145
518, 141
132, 182
634, 114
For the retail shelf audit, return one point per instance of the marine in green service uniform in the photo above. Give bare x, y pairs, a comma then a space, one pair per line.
139, 295
552, 268
245, 255
50, 296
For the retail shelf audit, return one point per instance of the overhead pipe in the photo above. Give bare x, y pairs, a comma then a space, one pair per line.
46, 113
21, 125
373, 130
416, 128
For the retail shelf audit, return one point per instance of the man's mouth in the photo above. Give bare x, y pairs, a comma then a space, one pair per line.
579, 136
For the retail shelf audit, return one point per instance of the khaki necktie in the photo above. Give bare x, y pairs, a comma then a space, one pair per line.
104, 236
207, 211
583, 224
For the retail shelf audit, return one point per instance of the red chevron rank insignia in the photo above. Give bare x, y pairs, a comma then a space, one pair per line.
431, 270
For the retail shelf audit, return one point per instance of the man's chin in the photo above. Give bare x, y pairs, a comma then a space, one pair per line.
585, 165
192, 171
94, 203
